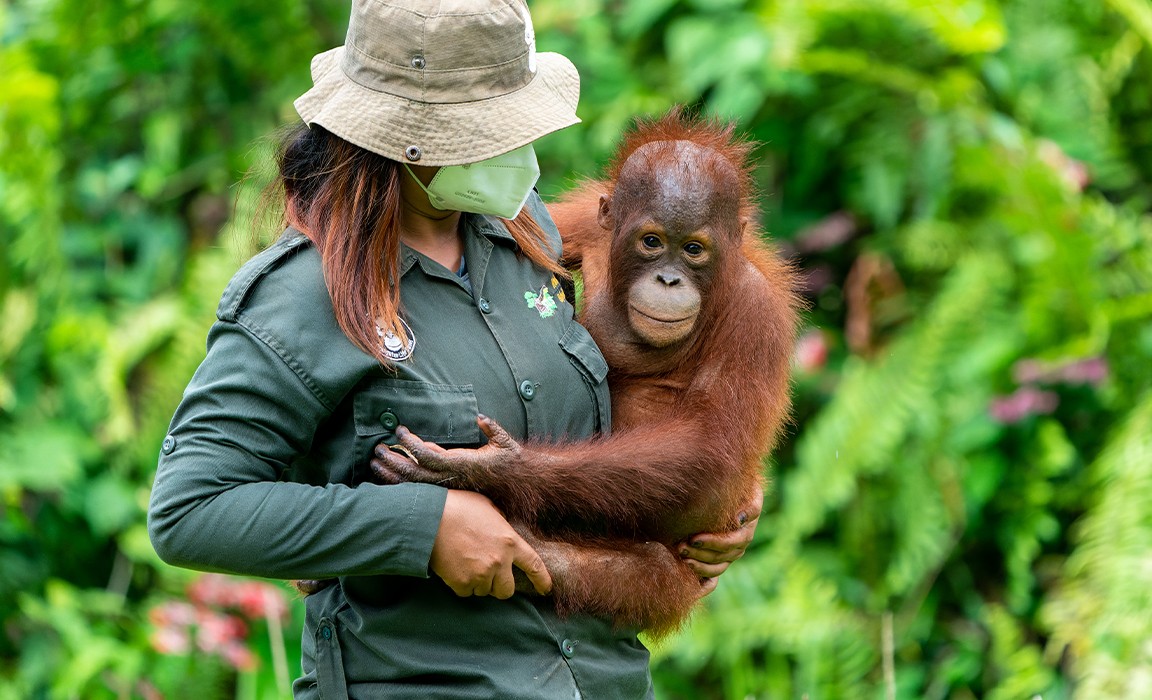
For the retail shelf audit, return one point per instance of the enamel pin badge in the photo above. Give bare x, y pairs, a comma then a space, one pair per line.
394, 348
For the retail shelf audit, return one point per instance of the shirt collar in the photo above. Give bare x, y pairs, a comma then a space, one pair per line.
474, 225
487, 226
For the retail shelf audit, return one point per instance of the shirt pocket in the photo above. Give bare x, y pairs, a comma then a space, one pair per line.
585, 355
441, 413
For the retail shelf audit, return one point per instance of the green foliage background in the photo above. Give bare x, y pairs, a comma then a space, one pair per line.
966, 182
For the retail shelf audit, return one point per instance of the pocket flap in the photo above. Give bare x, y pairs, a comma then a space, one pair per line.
440, 413
579, 345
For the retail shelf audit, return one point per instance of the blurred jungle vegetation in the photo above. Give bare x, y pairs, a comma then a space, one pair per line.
963, 507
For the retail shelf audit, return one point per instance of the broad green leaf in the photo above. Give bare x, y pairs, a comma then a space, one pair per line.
41, 456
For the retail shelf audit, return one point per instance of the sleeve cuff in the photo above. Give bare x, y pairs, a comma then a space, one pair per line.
424, 508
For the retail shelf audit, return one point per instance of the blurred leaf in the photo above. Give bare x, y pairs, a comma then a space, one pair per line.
1099, 613
638, 16
694, 48
41, 456
1138, 14
110, 504
962, 25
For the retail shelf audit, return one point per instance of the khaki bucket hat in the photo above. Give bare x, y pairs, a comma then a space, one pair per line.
440, 82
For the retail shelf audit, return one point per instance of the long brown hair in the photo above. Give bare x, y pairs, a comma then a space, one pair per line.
346, 199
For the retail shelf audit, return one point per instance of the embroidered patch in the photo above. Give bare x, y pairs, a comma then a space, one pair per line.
542, 301
558, 289
394, 348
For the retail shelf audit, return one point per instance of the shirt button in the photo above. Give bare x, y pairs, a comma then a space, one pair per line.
568, 648
169, 445
326, 632
527, 389
389, 420
484, 305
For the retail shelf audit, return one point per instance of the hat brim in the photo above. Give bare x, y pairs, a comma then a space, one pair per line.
445, 133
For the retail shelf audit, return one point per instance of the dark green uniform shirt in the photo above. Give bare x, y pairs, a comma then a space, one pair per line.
265, 470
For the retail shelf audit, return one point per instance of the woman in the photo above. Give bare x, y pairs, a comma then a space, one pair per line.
384, 304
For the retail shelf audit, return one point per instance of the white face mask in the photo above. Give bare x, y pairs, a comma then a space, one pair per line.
498, 186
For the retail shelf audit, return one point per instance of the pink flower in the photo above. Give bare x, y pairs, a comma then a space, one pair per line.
172, 613
259, 600
1029, 371
171, 640
212, 617
1024, 402
239, 656
210, 590
1091, 370
216, 630
253, 598
1073, 172
811, 352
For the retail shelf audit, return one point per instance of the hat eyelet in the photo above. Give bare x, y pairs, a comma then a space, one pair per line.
418, 62
413, 153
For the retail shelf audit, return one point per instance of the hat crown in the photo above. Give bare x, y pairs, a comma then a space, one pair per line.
441, 82
440, 51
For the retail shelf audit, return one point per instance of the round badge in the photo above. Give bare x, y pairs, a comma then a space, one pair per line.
394, 348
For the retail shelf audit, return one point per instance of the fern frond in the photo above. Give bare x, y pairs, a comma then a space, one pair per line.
1101, 613
876, 406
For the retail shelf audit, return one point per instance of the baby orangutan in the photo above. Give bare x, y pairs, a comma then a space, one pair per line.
696, 318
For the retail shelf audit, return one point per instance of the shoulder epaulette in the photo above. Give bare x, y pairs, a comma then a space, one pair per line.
242, 283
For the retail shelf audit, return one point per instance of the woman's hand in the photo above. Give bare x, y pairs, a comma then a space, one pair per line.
476, 548
709, 554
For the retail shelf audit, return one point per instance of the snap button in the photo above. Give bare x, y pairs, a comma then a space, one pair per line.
418, 62
484, 305
169, 445
389, 420
568, 648
527, 389
413, 153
